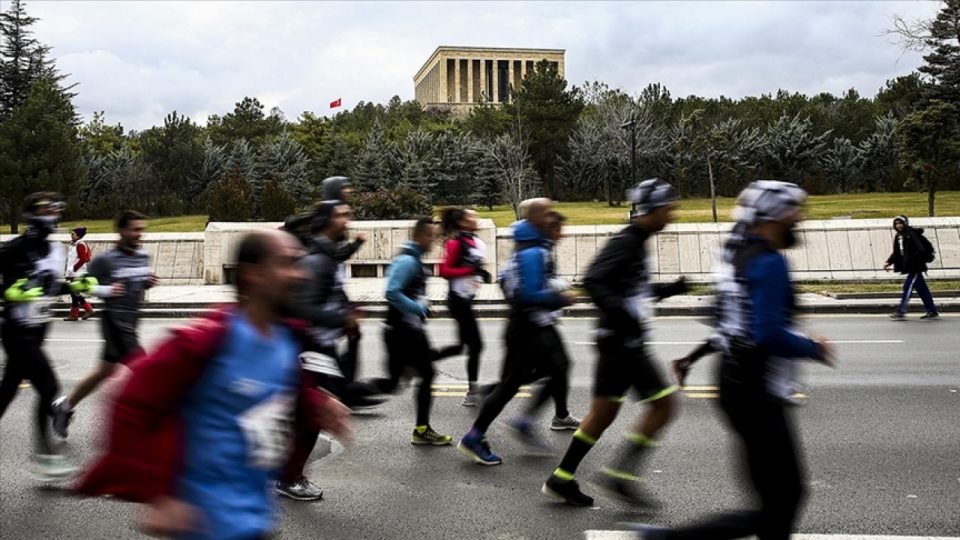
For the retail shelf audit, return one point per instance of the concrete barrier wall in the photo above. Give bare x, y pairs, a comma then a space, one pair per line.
177, 258
829, 250
384, 240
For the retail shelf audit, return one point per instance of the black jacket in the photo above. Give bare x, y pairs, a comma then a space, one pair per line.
321, 300
618, 274
911, 259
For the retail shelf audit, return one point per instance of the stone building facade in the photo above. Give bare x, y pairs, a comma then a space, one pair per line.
456, 78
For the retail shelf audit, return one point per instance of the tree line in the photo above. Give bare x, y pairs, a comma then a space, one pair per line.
566, 142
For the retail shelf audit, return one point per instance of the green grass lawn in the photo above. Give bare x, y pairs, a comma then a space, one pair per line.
857, 206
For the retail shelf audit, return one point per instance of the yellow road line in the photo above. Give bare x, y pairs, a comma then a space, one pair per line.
701, 395
460, 394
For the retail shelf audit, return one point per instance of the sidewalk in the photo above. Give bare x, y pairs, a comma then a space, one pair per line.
177, 301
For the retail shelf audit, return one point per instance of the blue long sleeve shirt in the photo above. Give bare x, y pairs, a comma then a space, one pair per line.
770, 294
401, 271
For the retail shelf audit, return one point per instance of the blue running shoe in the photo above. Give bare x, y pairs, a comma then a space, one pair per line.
478, 450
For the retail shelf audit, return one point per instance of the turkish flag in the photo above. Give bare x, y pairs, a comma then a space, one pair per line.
335, 104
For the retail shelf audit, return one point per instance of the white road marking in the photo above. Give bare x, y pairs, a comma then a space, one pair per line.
841, 341
630, 535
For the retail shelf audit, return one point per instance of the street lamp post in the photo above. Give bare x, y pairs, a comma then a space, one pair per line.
632, 126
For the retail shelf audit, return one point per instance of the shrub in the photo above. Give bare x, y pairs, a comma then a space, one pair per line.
230, 199
397, 203
275, 203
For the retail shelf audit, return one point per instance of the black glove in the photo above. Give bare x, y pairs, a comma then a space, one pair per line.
673, 289
484, 275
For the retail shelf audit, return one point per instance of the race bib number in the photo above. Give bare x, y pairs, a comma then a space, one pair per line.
34, 313
268, 430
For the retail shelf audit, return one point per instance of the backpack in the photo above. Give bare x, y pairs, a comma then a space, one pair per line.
509, 272
927, 251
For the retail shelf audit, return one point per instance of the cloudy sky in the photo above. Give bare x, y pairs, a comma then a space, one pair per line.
138, 60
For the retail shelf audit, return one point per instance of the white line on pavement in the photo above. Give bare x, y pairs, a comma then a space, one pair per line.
841, 341
625, 535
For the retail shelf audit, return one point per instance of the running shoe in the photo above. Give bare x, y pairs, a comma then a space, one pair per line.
931, 316
479, 451
62, 415
430, 437
566, 490
524, 430
560, 424
364, 403
300, 489
898, 316
628, 491
51, 467
472, 399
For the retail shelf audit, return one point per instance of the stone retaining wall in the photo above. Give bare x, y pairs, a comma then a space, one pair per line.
829, 250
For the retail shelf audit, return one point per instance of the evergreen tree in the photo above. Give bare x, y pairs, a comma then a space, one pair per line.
174, 152
929, 144
841, 163
375, 162
548, 113
793, 149
878, 153
23, 60
285, 161
39, 149
211, 171
942, 63
419, 163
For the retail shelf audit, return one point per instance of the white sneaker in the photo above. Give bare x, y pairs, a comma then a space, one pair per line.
570, 422
51, 467
472, 399
62, 415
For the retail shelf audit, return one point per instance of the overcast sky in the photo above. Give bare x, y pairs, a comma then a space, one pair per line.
138, 60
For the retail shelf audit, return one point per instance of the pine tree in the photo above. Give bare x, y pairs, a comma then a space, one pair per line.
942, 63
375, 162
39, 149
878, 153
285, 161
419, 163
23, 60
211, 170
793, 149
841, 163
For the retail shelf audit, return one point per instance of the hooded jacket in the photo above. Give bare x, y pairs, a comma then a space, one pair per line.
910, 259
534, 269
321, 300
331, 188
144, 453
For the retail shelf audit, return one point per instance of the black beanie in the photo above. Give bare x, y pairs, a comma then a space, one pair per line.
903, 218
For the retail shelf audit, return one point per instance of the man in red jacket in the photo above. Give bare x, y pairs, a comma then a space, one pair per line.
202, 427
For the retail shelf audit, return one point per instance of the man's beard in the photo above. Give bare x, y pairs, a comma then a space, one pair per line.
791, 238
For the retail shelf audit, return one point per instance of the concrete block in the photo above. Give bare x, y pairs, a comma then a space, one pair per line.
566, 257
948, 253
710, 250
183, 260
815, 242
838, 249
688, 245
881, 244
165, 260
861, 252
586, 252
668, 253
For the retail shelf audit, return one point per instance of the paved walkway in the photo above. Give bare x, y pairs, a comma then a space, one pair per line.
371, 291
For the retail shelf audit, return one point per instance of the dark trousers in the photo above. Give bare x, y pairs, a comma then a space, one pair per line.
461, 309
916, 282
519, 365
547, 359
408, 348
556, 365
765, 429
26, 361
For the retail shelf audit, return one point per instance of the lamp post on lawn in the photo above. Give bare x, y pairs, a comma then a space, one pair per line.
632, 126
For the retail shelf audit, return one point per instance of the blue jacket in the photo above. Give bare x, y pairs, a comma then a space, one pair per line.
404, 268
532, 262
771, 297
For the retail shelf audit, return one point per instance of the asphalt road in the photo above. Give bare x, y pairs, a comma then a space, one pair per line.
881, 436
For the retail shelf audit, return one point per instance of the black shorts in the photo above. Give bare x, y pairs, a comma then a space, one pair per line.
120, 334
620, 368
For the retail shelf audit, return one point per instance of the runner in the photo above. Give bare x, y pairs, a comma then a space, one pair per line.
78, 255
405, 335
462, 267
30, 265
755, 331
619, 284
123, 274
200, 430
532, 305
322, 303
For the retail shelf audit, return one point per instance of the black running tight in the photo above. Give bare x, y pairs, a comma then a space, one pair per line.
25, 361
